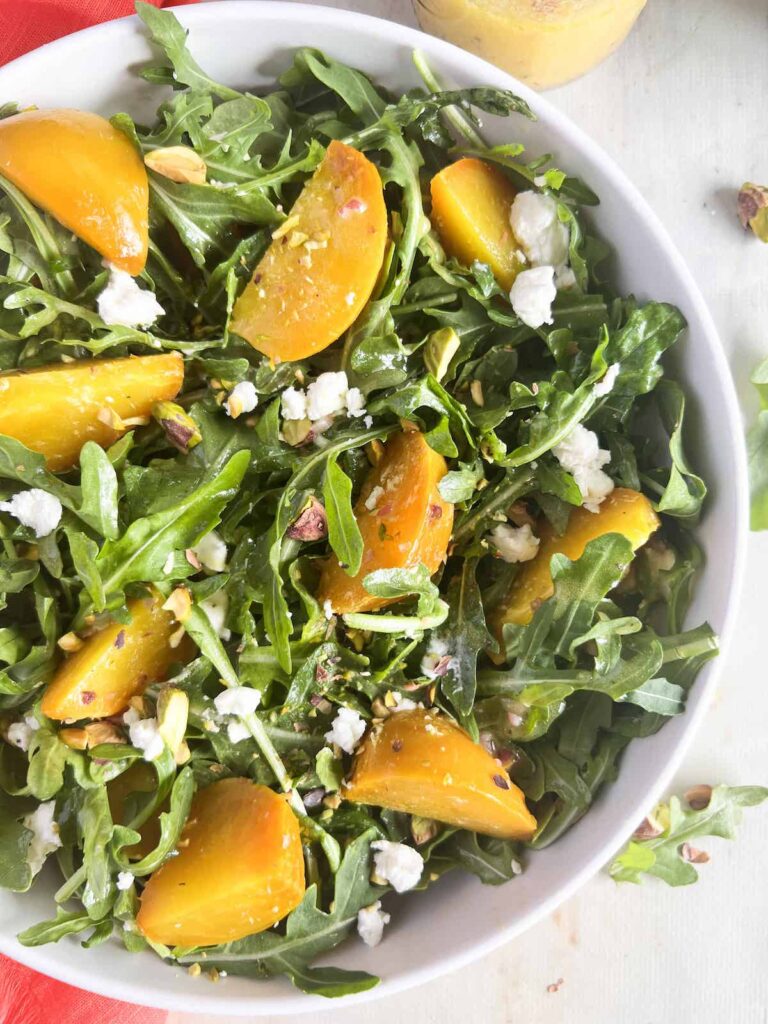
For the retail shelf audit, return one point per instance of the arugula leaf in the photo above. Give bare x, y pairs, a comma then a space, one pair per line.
172, 39
493, 861
15, 872
684, 492
668, 855
465, 635
66, 922
140, 554
343, 532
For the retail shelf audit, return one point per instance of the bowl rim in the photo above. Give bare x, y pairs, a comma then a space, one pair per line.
43, 959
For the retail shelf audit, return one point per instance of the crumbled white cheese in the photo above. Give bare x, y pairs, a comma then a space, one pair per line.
211, 552
131, 716
45, 835
237, 731
145, 736
35, 508
373, 499
565, 279
404, 703
532, 295
580, 454
328, 608
324, 398
294, 404
538, 229
124, 304
327, 395
346, 729
124, 880
242, 398
398, 864
237, 700
169, 563
605, 386
515, 543
436, 658
216, 607
355, 402
370, 923
368, 421
20, 733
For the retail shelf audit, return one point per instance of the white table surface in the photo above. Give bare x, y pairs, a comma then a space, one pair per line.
682, 108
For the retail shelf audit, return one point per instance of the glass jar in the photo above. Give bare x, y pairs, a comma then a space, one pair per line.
542, 42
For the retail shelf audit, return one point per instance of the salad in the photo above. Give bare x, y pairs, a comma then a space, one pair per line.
348, 533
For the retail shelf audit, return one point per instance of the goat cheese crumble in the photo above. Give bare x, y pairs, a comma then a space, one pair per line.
537, 227
327, 396
237, 700
605, 386
437, 661
532, 295
20, 733
144, 734
294, 404
45, 835
404, 703
211, 552
37, 509
370, 923
124, 880
124, 304
346, 730
216, 607
515, 543
580, 454
399, 865
242, 398
237, 731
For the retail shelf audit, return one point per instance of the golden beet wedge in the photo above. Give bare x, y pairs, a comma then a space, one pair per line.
623, 511
239, 869
85, 173
403, 520
115, 664
140, 778
471, 201
422, 763
54, 410
320, 270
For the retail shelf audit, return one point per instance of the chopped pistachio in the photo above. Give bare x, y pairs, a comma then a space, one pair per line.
179, 427
179, 603
70, 642
75, 739
423, 829
178, 163
296, 432
172, 714
753, 209
439, 350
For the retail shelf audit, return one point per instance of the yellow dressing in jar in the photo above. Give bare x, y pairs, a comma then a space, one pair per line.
542, 42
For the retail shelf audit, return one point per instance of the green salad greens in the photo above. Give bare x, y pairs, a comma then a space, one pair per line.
229, 517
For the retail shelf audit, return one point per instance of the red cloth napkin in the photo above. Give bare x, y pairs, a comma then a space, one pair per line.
27, 997
26, 24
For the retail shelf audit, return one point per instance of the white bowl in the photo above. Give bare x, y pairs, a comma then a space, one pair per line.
459, 920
